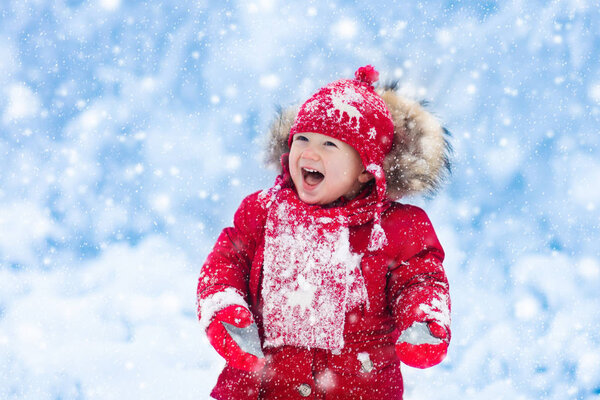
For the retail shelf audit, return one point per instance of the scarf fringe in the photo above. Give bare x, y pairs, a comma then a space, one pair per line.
378, 238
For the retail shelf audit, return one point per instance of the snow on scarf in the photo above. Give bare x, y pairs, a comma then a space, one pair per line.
311, 278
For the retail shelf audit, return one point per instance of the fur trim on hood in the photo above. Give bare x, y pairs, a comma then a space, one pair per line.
420, 157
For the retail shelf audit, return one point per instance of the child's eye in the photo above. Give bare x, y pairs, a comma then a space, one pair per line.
328, 143
301, 138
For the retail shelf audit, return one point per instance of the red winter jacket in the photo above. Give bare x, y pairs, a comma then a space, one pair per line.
407, 268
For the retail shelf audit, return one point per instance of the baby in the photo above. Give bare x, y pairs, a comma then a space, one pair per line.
325, 284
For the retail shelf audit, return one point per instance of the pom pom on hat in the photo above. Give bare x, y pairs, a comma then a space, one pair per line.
367, 74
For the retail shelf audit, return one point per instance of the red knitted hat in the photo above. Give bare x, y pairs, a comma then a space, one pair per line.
349, 110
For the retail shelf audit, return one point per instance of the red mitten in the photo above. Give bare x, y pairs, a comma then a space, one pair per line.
234, 335
424, 339
423, 344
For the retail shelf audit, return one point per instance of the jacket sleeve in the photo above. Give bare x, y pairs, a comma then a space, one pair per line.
417, 287
224, 276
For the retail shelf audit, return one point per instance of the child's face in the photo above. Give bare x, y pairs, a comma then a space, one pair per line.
324, 169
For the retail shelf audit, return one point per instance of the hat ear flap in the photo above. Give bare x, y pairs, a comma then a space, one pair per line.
420, 156
279, 133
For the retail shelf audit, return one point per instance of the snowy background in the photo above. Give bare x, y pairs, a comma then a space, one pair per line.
130, 131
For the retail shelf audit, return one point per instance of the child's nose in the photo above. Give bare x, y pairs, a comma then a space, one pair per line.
310, 154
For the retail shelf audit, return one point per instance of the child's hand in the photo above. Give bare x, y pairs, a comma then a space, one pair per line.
423, 344
234, 335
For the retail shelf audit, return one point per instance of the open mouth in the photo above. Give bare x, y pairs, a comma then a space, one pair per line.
311, 176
